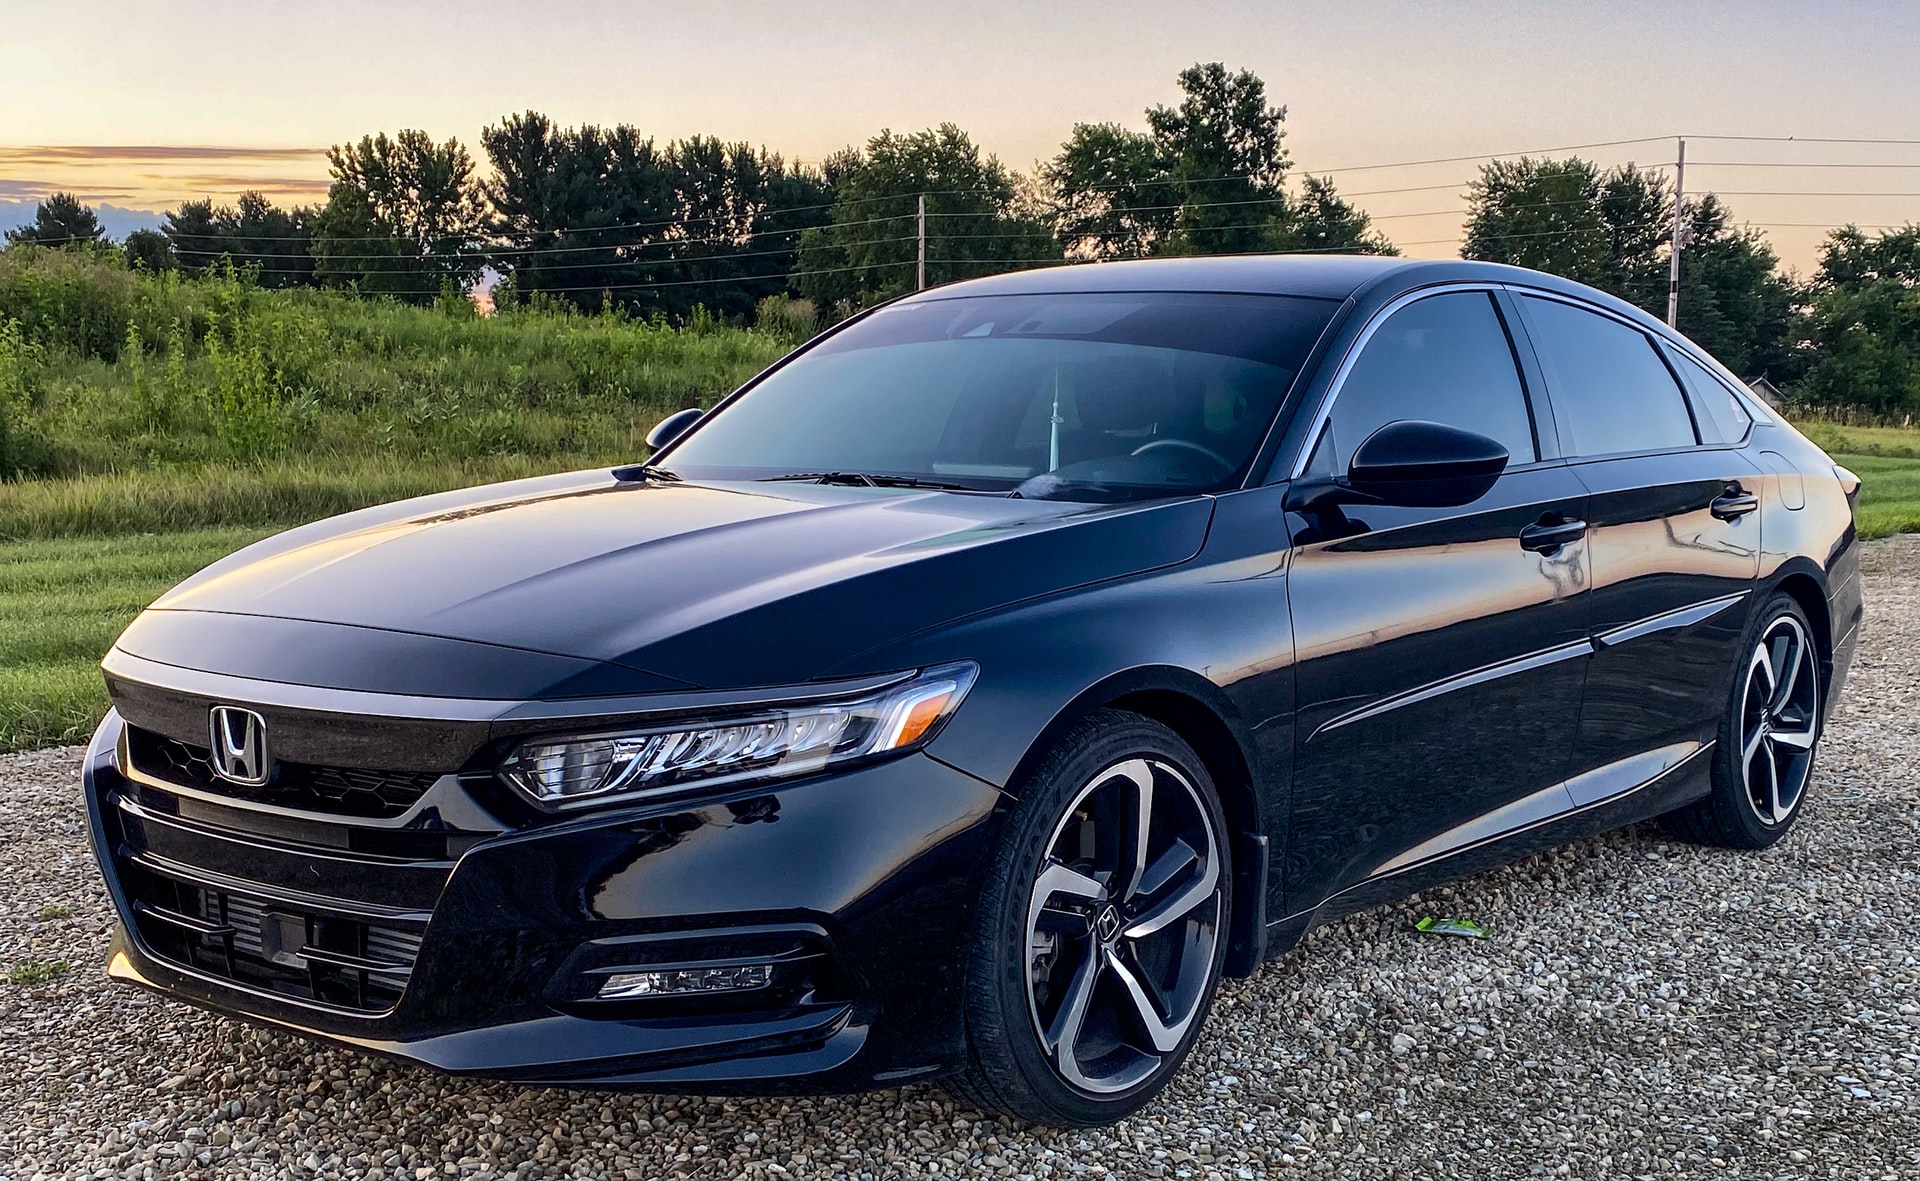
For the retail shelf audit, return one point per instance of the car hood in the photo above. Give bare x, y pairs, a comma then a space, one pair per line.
709, 585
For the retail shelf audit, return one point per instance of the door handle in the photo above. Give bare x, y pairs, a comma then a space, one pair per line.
1733, 504
1546, 537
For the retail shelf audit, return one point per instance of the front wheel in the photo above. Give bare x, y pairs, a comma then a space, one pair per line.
1100, 934
1764, 762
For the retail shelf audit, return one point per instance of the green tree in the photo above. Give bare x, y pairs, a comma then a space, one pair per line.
1543, 214
1321, 221
577, 208
1734, 302
404, 217
276, 243
1863, 325
1207, 177
1613, 230
976, 223
740, 213
148, 250
1110, 193
1224, 152
60, 221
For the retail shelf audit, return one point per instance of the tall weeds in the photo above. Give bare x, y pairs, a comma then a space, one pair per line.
136, 371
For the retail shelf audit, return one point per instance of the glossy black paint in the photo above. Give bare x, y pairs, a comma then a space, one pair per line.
1386, 696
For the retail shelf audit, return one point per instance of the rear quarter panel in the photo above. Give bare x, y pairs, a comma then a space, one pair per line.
1818, 539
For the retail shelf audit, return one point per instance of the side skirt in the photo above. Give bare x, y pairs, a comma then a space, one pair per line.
1677, 786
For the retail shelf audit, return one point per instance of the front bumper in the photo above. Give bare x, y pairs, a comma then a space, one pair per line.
856, 885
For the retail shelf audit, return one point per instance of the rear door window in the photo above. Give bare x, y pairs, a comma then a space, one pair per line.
1612, 392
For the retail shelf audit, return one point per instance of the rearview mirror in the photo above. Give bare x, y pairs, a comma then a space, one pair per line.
672, 427
1425, 465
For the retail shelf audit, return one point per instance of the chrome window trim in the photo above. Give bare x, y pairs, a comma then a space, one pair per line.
1310, 442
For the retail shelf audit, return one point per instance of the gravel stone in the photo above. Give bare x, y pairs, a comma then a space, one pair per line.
1642, 1009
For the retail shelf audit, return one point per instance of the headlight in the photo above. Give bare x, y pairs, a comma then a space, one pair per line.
767, 743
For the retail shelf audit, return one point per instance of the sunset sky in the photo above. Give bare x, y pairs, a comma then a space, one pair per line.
144, 105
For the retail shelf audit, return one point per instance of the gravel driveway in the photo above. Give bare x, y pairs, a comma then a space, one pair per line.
1643, 1009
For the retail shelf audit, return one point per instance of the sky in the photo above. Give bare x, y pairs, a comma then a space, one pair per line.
141, 105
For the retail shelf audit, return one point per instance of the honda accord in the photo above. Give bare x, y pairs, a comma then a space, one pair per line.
966, 695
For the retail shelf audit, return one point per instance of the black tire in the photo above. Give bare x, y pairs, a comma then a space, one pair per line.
1746, 809
1139, 952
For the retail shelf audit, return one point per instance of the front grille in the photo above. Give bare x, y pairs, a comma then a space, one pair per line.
342, 791
346, 962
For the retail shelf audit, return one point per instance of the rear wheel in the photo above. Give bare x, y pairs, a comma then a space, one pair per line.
1100, 935
1764, 762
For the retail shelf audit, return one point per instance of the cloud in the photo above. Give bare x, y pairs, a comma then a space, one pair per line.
92, 155
39, 191
160, 174
117, 222
239, 182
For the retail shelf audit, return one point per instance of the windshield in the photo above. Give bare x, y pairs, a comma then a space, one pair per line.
1081, 397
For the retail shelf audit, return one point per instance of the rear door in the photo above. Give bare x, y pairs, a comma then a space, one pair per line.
1674, 536
1440, 651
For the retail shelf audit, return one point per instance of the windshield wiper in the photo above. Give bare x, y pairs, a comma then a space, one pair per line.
867, 480
645, 471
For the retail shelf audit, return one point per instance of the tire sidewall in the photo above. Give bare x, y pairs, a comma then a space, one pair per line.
1000, 1026
1729, 783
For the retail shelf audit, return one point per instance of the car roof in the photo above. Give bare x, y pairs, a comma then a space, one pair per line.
1320, 276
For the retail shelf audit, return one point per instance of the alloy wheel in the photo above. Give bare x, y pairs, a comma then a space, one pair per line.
1122, 926
1779, 721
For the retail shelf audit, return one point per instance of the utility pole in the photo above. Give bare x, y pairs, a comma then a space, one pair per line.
1679, 233
920, 271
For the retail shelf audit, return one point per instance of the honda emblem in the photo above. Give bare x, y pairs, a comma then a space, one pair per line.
239, 745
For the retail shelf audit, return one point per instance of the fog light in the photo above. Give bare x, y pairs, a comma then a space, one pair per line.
685, 981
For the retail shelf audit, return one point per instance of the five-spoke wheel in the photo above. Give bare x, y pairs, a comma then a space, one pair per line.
1779, 719
1763, 761
1102, 928
1122, 925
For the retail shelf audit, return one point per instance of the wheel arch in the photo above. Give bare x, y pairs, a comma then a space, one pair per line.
1195, 709
1805, 589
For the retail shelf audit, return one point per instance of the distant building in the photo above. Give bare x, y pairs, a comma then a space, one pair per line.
1766, 391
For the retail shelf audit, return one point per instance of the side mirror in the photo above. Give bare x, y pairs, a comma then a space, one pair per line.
672, 427
1425, 465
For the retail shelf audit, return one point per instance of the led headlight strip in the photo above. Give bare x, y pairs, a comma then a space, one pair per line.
767, 743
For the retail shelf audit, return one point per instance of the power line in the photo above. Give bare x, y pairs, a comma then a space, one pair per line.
1805, 139
1801, 193
1612, 143
1789, 164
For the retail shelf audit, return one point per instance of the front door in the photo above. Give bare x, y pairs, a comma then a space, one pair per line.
1440, 653
1675, 537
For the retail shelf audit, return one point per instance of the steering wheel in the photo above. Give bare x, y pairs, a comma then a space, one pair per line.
1184, 445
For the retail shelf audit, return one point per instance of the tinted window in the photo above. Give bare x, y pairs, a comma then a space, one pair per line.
1610, 388
1078, 396
1728, 417
1446, 359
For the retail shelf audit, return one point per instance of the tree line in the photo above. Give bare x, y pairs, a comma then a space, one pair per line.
606, 217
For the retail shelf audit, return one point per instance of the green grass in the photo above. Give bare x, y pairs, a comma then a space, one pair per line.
171, 500
1886, 442
34, 973
62, 603
1889, 493
104, 371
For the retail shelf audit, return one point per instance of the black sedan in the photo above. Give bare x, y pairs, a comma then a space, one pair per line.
968, 693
